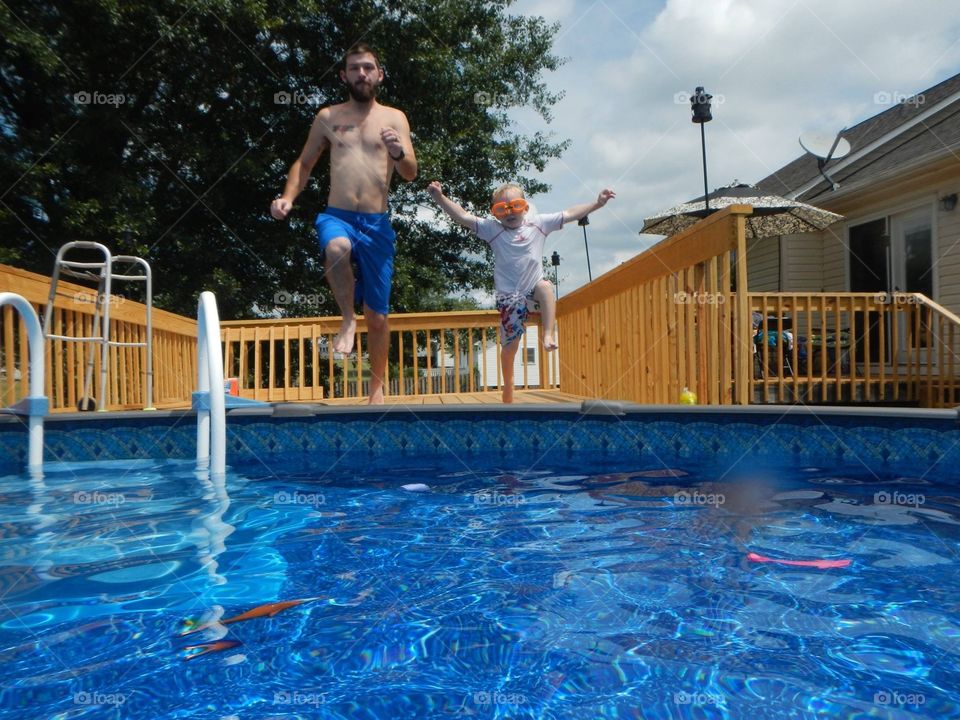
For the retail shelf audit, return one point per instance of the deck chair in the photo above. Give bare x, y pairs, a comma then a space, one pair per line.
773, 340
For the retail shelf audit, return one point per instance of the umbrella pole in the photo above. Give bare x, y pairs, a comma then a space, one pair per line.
587, 248
703, 147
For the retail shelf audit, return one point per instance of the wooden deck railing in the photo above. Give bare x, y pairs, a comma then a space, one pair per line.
855, 347
272, 360
430, 353
174, 347
665, 320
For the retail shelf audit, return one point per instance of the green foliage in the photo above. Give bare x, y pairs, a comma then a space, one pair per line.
153, 127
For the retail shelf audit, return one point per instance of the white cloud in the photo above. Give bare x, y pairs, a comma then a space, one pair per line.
551, 10
777, 68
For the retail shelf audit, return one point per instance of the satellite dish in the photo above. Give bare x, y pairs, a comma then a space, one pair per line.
825, 148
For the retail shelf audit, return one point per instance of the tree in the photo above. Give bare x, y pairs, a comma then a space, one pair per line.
163, 129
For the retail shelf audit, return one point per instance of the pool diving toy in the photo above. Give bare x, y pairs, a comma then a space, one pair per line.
819, 564
268, 610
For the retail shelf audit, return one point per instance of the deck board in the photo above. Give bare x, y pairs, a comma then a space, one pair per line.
521, 397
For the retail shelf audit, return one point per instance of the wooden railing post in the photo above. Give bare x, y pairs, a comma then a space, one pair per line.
743, 356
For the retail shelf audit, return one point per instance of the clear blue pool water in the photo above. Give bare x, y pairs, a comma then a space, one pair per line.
585, 590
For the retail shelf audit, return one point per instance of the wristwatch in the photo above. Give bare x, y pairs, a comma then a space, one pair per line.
400, 157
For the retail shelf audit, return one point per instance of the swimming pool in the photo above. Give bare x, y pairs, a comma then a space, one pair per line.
560, 565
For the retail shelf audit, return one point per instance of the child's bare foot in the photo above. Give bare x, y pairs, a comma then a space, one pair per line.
376, 397
508, 394
549, 342
343, 342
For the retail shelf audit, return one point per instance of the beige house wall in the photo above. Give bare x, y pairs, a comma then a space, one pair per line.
802, 262
819, 262
763, 264
948, 255
835, 275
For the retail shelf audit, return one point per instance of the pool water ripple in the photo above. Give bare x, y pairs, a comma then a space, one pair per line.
619, 592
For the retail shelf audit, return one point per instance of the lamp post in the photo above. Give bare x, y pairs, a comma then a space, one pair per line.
700, 106
555, 261
583, 222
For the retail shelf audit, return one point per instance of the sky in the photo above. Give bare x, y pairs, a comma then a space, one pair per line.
775, 68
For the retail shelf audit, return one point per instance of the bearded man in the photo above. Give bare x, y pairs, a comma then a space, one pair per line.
367, 142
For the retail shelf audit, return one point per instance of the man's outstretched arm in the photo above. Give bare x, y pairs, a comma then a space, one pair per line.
299, 173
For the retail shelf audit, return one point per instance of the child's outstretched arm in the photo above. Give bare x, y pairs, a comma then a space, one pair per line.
579, 211
456, 213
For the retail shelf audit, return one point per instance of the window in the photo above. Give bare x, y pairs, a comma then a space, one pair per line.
531, 356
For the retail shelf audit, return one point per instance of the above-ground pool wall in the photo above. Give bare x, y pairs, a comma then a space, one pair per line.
891, 441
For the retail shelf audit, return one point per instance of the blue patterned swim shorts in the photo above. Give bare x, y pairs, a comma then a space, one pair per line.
513, 315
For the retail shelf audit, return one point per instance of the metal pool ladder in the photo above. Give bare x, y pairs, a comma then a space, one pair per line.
103, 273
35, 405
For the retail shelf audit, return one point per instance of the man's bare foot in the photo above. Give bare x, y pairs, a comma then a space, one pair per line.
549, 342
376, 397
343, 342
508, 394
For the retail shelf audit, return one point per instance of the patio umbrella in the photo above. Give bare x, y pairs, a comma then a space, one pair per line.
772, 214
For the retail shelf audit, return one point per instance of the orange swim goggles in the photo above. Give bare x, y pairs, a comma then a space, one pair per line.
506, 208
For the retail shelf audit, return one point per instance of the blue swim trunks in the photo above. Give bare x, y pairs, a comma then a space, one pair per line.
372, 246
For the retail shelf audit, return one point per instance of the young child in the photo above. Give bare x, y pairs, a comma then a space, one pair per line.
517, 241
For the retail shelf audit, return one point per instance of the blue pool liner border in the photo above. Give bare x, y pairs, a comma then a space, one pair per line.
889, 440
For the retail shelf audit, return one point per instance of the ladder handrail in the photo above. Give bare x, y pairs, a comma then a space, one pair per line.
36, 404
211, 411
147, 279
101, 313
103, 291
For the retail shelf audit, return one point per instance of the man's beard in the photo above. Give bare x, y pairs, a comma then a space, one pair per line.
364, 93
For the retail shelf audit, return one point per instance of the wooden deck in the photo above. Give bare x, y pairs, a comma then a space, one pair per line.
520, 397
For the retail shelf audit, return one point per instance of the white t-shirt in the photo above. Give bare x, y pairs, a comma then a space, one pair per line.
517, 264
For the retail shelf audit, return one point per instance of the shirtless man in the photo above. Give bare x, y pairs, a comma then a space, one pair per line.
367, 141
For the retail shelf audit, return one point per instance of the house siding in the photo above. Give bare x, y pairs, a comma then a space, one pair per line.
948, 256
763, 264
835, 263
803, 262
